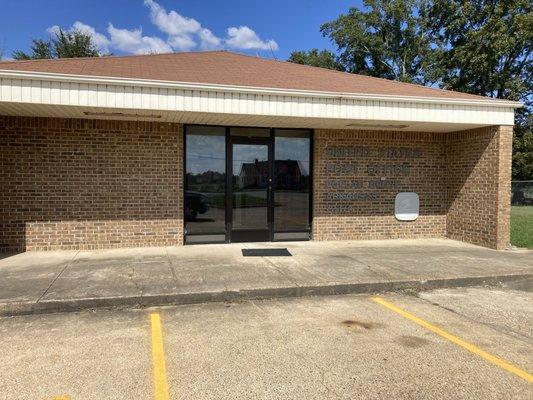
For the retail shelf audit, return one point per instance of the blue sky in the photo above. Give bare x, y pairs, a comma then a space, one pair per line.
272, 27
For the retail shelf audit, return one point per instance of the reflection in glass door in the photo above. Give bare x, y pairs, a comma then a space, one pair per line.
247, 184
251, 187
292, 184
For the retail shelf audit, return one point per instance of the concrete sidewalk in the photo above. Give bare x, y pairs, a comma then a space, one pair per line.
71, 280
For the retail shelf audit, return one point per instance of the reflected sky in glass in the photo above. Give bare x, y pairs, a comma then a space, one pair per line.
294, 149
206, 153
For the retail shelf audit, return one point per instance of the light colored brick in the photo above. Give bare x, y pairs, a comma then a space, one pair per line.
89, 184
92, 184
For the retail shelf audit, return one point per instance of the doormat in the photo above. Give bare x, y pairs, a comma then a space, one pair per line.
266, 253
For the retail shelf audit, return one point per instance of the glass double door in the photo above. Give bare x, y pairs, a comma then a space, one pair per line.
247, 184
250, 197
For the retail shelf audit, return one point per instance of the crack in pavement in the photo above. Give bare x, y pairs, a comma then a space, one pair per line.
134, 282
507, 332
58, 275
171, 267
281, 272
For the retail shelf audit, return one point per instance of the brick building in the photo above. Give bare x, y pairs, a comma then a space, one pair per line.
159, 150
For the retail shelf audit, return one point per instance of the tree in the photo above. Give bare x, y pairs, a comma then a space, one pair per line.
485, 48
64, 44
39, 49
523, 149
323, 59
482, 47
386, 40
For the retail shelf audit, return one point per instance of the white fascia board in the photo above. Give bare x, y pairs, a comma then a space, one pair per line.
55, 77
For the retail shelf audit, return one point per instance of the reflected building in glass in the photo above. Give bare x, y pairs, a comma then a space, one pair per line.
246, 184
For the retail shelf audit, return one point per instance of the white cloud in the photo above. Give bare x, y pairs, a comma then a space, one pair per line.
132, 41
53, 29
171, 23
246, 39
208, 41
182, 43
124, 40
183, 33
100, 40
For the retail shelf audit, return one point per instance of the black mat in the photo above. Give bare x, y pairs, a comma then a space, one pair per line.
266, 253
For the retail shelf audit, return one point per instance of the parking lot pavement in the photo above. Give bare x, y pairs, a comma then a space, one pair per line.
78, 356
339, 347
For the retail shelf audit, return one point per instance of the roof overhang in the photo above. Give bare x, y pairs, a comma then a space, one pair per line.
83, 96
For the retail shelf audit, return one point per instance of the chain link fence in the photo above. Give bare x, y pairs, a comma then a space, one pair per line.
522, 193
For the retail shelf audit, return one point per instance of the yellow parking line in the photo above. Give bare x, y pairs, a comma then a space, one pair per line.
459, 342
158, 358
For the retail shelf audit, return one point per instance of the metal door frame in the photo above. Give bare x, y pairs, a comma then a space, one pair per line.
252, 235
228, 210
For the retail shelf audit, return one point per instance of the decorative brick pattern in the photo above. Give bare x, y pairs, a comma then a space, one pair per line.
382, 164
88, 184
479, 170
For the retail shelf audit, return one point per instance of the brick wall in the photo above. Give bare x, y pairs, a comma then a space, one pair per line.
86, 184
374, 167
463, 180
479, 170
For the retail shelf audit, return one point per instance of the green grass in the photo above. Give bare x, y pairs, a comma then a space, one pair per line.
522, 226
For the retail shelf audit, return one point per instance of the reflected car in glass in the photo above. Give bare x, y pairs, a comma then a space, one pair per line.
195, 203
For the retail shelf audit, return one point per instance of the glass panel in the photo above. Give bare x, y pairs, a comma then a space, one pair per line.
250, 132
205, 183
250, 186
291, 180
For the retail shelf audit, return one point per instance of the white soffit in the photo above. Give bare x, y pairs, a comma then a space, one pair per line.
67, 95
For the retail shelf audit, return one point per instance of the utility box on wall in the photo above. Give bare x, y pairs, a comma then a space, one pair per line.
406, 206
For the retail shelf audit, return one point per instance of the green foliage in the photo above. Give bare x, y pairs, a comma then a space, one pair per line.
523, 150
315, 58
386, 40
64, 44
485, 48
482, 47
74, 44
39, 49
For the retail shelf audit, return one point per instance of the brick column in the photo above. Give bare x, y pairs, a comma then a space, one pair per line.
479, 186
505, 159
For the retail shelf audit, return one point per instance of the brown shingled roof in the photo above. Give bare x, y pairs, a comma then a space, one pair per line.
222, 67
